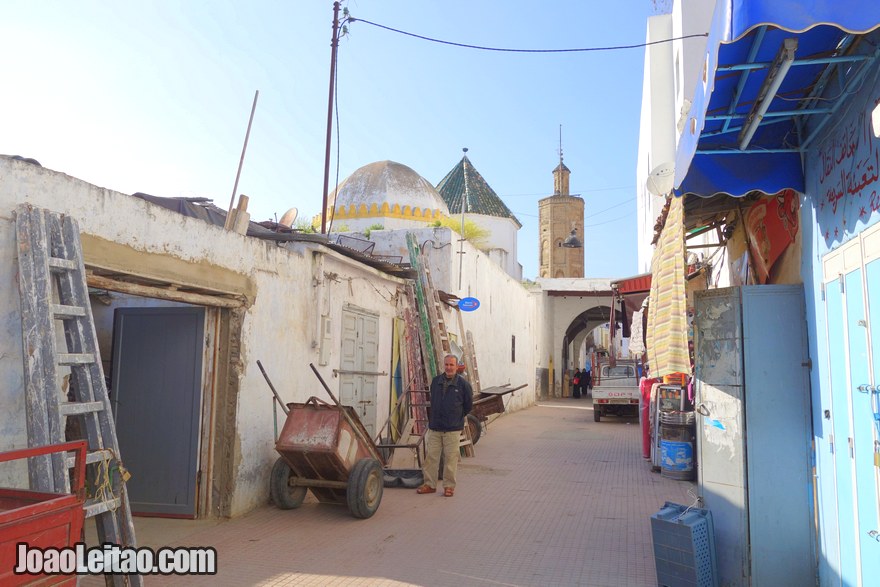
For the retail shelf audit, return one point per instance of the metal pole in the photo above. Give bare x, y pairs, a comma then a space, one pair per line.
334, 43
272, 387
247, 135
464, 199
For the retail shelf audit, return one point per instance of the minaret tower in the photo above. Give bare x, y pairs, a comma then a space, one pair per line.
561, 226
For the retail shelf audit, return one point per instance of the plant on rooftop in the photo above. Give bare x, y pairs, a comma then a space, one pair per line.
473, 232
373, 227
304, 226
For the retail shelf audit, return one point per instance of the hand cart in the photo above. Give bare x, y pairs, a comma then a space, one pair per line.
325, 448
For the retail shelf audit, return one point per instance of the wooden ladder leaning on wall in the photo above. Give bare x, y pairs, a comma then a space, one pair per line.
53, 289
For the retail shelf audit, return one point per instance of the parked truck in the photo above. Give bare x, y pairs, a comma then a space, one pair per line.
616, 390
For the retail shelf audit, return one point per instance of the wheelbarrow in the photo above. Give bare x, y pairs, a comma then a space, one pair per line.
324, 448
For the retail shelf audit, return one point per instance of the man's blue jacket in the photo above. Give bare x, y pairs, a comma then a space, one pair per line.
451, 401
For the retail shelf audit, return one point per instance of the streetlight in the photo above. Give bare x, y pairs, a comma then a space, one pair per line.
572, 241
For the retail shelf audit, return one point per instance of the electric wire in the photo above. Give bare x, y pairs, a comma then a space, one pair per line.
510, 50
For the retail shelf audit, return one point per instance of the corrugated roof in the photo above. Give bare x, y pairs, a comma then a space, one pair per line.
482, 199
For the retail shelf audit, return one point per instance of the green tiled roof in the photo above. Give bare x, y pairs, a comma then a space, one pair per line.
482, 199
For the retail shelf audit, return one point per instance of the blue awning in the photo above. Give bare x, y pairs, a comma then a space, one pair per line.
746, 37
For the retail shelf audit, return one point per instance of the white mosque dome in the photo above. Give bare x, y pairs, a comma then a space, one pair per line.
387, 190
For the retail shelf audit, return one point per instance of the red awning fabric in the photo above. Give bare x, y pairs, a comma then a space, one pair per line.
637, 284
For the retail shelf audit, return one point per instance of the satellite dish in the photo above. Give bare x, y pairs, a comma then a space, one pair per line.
289, 218
661, 179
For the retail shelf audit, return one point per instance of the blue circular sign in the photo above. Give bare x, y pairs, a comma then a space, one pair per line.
468, 304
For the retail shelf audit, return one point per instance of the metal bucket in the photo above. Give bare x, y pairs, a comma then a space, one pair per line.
677, 442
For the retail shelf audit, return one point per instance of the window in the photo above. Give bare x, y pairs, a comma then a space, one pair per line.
512, 348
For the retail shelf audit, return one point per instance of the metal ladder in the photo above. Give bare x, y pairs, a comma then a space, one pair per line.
53, 289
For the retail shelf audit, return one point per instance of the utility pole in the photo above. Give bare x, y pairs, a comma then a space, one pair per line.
334, 44
464, 202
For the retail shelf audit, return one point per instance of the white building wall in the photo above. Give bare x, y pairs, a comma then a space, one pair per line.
280, 328
503, 236
343, 225
671, 73
656, 131
507, 309
689, 17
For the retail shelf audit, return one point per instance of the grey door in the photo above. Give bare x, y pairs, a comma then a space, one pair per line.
156, 394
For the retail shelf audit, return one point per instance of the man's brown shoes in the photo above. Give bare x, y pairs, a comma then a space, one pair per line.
426, 489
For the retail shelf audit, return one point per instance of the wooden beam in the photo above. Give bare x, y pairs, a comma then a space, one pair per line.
101, 282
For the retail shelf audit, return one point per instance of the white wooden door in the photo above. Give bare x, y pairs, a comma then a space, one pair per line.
359, 365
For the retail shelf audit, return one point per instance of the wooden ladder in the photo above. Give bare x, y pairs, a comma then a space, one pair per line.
475, 373
52, 287
435, 308
433, 323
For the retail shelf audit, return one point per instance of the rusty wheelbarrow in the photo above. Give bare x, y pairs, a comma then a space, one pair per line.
325, 448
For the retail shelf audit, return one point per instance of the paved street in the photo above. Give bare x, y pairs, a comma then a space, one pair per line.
551, 498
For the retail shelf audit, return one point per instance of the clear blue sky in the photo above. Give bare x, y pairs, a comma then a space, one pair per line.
154, 97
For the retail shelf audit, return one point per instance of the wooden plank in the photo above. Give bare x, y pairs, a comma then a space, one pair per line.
427, 349
475, 383
101, 282
36, 330
50, 254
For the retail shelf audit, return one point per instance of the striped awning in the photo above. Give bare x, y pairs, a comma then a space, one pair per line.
667, 339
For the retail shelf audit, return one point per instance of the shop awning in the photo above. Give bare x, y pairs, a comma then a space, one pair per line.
776, 72
631, 285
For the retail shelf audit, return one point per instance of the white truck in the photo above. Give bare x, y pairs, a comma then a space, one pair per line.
616, 390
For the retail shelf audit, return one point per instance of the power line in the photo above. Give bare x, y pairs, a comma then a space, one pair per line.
608, 221
621, 187
507, 50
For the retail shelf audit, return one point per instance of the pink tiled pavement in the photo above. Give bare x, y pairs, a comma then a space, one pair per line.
551, 498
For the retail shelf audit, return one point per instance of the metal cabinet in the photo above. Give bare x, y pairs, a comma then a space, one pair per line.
754, 432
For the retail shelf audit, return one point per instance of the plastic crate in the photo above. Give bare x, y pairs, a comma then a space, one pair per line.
684, 546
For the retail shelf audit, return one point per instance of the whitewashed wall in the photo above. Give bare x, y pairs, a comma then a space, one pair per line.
507, 308
656, 131
279, 328
502, 235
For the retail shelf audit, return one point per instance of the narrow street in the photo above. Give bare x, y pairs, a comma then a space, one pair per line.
551, 498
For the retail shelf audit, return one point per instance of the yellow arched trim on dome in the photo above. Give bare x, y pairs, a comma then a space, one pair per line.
387, 211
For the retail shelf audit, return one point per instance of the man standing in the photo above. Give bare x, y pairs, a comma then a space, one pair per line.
451, 400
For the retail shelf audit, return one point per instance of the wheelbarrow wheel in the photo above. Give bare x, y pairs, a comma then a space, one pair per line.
284, 496
365, 484
476, 428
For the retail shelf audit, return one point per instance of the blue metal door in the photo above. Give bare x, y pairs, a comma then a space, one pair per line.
853, 314
866, 432
840, 419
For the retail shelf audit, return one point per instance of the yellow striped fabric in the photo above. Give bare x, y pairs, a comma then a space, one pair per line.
667, 311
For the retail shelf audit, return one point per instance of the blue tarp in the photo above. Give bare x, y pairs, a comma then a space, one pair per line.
739, 27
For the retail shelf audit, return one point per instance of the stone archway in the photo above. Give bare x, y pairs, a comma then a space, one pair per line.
577, 331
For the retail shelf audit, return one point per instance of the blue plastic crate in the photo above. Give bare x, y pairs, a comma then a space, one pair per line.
684, 546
